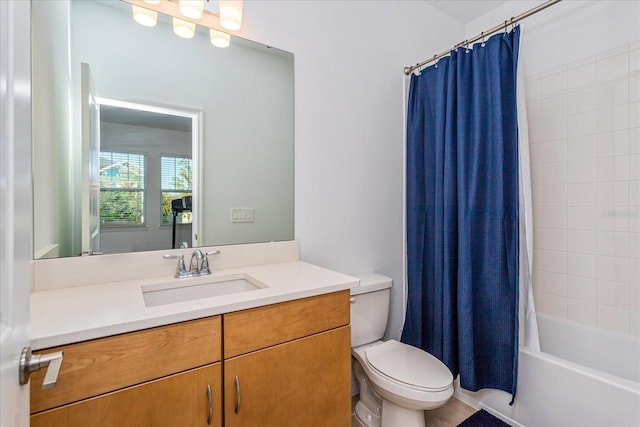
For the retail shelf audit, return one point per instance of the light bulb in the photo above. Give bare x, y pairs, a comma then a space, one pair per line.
218, 38
231, 14
184, 29
146, 17
192, 8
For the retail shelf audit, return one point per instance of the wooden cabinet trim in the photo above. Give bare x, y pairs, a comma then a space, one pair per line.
103, 365
261, 327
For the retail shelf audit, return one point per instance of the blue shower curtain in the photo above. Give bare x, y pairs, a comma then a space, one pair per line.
462, 213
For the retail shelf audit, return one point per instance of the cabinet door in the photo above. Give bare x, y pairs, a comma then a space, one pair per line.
306, 382
177, 400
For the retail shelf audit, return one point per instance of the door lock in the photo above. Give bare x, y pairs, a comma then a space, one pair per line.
32, 362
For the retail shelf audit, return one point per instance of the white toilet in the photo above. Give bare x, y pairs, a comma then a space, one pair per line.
397, 382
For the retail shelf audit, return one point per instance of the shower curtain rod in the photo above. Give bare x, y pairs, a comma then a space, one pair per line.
408, 70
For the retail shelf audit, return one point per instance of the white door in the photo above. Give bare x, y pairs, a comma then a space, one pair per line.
90, 164
16, 222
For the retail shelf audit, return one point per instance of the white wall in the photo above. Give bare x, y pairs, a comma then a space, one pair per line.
582, 62
567, 31
349, 57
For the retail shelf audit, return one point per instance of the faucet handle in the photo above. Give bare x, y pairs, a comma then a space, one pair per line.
204, 269
181, 270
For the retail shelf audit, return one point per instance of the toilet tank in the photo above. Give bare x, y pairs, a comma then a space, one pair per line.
369, 308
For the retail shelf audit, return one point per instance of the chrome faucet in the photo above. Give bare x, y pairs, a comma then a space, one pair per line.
196, 256
198, 266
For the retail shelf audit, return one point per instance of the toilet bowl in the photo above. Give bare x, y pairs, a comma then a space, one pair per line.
397, 382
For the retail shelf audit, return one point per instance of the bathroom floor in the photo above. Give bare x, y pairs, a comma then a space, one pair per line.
449, 415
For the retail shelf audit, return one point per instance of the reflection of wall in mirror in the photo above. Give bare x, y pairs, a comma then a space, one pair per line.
52, 198
246, 95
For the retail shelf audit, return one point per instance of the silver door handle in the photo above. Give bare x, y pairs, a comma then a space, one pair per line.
32, 362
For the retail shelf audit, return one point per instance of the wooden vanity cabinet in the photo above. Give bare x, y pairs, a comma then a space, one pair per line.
154, 377
289, 364
292, 361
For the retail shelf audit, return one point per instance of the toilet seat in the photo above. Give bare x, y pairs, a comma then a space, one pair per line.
409, 366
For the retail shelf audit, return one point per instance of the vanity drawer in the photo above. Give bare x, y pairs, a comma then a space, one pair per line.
103, 365
261, 327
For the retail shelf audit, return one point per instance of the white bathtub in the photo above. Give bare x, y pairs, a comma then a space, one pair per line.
584, 377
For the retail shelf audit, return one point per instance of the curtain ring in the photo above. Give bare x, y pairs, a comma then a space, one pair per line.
466, 46
435, 59
506, 23
483, 43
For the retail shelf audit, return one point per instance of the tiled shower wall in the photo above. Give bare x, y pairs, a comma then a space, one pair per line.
584, 120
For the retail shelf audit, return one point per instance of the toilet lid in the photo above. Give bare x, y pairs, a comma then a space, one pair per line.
409, 365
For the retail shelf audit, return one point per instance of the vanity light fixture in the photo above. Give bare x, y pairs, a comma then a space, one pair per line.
146, 17
218, 38
231, 14
192, 8
184, 29
228, 13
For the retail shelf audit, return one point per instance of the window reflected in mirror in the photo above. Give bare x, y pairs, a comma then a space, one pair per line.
122, 191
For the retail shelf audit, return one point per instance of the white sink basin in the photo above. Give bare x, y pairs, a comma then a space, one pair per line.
180, 290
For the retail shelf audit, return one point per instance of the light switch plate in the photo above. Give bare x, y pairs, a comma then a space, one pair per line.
242, 215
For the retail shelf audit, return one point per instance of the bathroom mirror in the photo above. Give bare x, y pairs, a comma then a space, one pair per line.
239, 98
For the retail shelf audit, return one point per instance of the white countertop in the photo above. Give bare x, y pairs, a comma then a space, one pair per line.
64, 316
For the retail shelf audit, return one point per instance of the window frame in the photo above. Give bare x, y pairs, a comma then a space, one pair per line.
184, 192
143, 191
